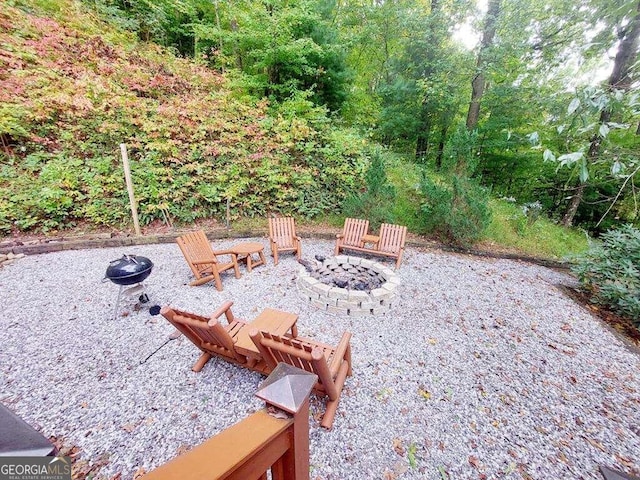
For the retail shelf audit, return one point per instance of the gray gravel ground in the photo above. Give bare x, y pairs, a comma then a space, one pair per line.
485, 369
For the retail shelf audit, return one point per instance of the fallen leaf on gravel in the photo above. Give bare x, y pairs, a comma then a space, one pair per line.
627, 462
542, 430
397, 446
432, 341
129, 427
117, 476
566, 327
424, 394
595, 443
139, 473
474, 462
444, 475
523, 471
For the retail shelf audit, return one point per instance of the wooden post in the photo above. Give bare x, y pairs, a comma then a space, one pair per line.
127, 177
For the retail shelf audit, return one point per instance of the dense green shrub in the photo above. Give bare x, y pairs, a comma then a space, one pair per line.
457, 208
458, 212
376, 200
611, 271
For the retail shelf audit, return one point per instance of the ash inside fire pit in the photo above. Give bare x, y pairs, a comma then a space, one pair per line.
351, 277
348, 285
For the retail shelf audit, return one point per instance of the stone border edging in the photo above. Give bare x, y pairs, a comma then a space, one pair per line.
102, 241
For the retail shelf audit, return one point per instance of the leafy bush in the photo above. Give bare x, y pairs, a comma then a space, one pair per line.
611, 272
457, 212
457, 209
376, 201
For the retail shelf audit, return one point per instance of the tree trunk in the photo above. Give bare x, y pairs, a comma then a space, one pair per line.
478, 84
620, 79
441, 143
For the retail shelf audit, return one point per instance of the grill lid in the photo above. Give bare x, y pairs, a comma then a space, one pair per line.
129, 269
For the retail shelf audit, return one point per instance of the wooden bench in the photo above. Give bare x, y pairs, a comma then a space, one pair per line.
389, 243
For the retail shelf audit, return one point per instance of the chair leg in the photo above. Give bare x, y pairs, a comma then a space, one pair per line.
202, 361
274, 252
218, 281
332, 404
236, 270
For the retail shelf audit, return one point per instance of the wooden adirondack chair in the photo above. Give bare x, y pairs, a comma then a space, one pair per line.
283, 238
203, 260
392, 239
331, 365
208, 334
353, 231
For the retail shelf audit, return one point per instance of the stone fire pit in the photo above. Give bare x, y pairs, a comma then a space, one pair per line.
349, 285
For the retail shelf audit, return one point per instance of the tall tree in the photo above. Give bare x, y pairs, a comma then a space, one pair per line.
620, 79
479, 82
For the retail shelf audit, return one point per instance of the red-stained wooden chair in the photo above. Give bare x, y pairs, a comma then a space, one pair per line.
392, 240
210, 336
203, 260
352, 232
283, 238
332, 365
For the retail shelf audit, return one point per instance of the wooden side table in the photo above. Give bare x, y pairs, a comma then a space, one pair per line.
246, 250
373, 239
270, 320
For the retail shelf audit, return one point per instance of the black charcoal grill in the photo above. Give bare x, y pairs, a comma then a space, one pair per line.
129, 271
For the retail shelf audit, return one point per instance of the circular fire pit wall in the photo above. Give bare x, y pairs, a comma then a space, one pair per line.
349, 285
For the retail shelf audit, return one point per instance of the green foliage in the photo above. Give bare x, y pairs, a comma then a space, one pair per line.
456, 208
193, 145
376, 201
511, 229
611, 272
458, 212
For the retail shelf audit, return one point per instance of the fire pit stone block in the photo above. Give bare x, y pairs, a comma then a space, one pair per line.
379, 283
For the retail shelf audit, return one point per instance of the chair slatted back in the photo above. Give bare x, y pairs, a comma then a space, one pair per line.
353, 231
282, 231
205, 333
196, 247
392, 238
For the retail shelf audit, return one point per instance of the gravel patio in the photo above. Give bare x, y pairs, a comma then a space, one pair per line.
483, 370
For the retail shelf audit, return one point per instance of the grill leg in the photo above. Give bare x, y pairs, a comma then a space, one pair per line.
115, 312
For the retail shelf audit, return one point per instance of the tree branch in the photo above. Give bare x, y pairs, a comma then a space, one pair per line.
618, 195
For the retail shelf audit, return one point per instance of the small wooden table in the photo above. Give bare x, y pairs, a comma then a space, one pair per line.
374, 239
245, 250
270, 320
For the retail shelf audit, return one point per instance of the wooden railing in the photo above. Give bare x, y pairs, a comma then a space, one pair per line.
248, 450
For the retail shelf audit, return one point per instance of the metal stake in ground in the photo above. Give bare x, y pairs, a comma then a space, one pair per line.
173, 336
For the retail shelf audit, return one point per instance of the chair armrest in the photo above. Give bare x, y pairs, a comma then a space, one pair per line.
338, 355
339, 236
224, 252
203, 262
224, 309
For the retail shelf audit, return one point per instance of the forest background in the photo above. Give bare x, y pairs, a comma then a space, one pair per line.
463, 121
